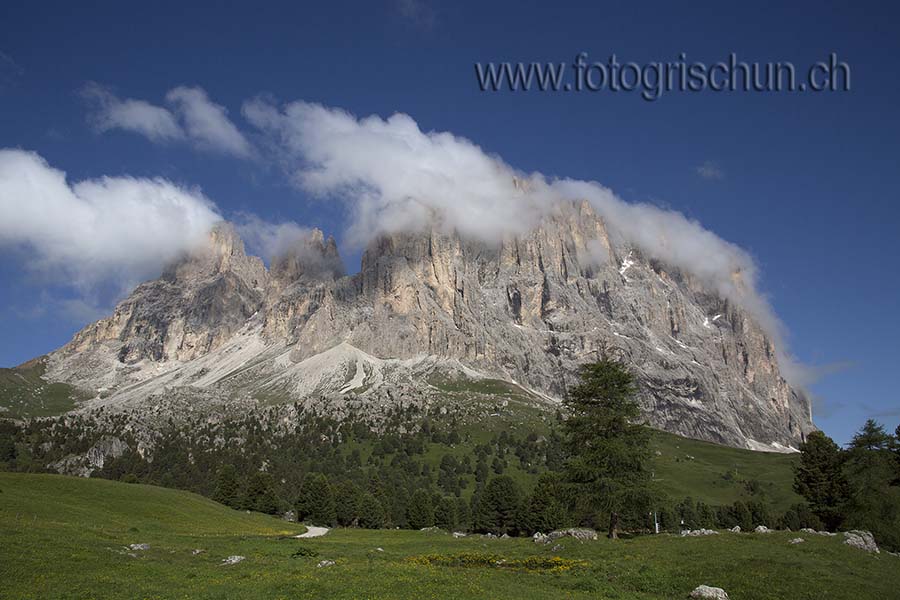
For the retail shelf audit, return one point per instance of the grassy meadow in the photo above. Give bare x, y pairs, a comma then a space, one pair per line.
67, 538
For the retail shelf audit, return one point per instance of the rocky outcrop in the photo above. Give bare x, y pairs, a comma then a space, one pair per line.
864, 540
527, 310
705, 592
580, 534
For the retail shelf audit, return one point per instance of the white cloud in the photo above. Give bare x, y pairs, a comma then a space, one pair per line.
154, 122
108, 231
207, 123
193, 117
288, 240
395, 177
268, 239
710, 170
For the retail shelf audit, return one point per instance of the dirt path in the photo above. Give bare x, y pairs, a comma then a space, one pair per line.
313, 531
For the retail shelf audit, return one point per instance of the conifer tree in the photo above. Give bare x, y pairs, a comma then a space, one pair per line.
608, 449
420, 512
227, 490
316, 501
819, 477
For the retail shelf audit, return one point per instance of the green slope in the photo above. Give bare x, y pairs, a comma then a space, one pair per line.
23, 392
63, 538
720, 475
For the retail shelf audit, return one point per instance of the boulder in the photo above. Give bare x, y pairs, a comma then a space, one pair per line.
762, 529
797, 541
233, 559
581, 535
139, 546
864, 540
325, 563
735, 529
706, 592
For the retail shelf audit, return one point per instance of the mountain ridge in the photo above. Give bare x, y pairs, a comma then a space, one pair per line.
526, 309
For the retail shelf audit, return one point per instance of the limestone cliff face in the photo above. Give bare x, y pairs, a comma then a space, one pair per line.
527, 309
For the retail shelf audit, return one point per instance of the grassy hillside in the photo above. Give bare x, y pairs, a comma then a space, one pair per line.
24, 394
64, 538
720, 475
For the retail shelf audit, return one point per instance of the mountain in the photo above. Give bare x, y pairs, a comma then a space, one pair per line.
220, 332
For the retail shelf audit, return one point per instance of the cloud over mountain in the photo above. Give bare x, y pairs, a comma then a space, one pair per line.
191, 116
110, 230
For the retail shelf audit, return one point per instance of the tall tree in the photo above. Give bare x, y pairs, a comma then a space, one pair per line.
497, 507
871, 436
371, 513
871, 470
347, 497
316, 501
420, 512
608, 449
260, 494
819, 477
227, 490
545, 509
445, 514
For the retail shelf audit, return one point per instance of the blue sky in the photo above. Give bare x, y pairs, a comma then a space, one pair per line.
807, 183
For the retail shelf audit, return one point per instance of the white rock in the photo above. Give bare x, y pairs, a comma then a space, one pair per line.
139, 546
864, 540
735, 529
698, 532
325, 563
762, 529
580, 534
797, 541
459, 534
233, 559
709, 593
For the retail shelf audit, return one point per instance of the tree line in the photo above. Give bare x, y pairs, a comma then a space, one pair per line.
592, 469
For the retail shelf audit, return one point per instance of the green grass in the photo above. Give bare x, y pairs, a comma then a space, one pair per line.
63, 538
23, 392
719, 475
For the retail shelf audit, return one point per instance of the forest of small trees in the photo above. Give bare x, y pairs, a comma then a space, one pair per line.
591, 469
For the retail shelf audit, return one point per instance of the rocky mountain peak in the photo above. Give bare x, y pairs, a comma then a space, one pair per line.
526, 308
222, 253
313, 258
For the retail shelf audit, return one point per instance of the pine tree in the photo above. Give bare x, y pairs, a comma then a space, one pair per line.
420, 512
819, 478
871, 436
871, 470
445, 514
371, 513
497, 507
346, 503
544, 510
260, 495
316, 501
608, 450
227, 490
